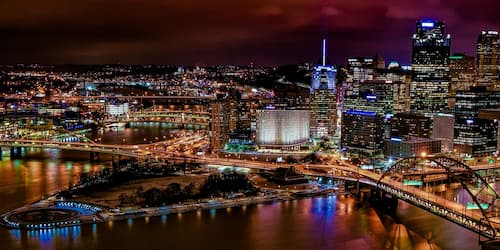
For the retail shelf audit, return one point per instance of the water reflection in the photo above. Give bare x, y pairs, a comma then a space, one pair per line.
333, 222
46, 238
326, 223
24, 181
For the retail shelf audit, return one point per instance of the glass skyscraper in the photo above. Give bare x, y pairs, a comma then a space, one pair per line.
324, 100
431, 73
475, 136
488, 48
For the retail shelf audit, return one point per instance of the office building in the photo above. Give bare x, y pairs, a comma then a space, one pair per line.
472, 135
359, 69
219, 124
362, 132
462, 75
117, 108
442, 129
323, 100
430, 65
411, 146
411, 125
488, 49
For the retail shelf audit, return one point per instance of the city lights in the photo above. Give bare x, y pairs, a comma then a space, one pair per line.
249, 125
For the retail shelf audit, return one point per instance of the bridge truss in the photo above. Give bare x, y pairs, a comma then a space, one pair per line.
482, 194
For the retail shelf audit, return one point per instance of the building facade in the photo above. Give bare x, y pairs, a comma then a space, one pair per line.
462, 75
430, 65
488, 49
282, 129
362, 132
412, 146
472, 135
411, 125
323, 100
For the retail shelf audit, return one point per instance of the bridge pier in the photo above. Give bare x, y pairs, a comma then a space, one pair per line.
383, 199
94, 157
357, 188
15, 153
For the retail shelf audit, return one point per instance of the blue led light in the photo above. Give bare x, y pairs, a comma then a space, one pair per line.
428, 24
396, 139
371, 97
359, 112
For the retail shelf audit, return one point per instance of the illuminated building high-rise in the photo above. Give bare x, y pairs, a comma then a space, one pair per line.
324, 100
408, 124
473, 135
488, 49
462, 75
238, 113
362, 132
364, 74
359, 69
219, 124
430, 65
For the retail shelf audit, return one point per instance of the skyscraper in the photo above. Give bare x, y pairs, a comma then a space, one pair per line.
219, 125
488, 48
362, 132
473, 135
431, 73
359, 69
324, 100
462, 75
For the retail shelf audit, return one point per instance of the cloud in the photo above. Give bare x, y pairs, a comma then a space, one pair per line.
225, 31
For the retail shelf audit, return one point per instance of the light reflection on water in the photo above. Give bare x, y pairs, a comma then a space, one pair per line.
332, 222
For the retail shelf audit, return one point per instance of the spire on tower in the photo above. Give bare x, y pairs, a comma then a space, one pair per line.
324, 52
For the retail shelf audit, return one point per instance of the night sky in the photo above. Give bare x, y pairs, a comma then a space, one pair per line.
204, 32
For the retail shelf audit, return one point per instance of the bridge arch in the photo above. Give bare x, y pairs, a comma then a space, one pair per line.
453, 169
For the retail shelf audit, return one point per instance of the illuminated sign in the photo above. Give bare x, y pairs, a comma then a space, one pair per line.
396, 139
427, 24
371, 97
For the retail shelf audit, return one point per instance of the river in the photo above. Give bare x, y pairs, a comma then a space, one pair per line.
332, 222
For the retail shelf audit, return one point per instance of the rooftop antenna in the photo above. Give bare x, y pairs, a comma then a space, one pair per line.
324, 52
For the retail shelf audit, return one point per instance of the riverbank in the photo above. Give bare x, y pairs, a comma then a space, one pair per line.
103, 206
117, 214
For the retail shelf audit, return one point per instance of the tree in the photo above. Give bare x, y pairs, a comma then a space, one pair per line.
153, 197
189, 190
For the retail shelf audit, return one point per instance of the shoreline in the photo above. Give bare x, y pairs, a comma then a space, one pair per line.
197, 206
100, 214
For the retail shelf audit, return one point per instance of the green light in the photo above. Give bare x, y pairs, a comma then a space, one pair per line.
456, 57
473, 206
491, 161
412, 183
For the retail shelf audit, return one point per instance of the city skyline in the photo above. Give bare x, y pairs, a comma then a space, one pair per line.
196, 33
